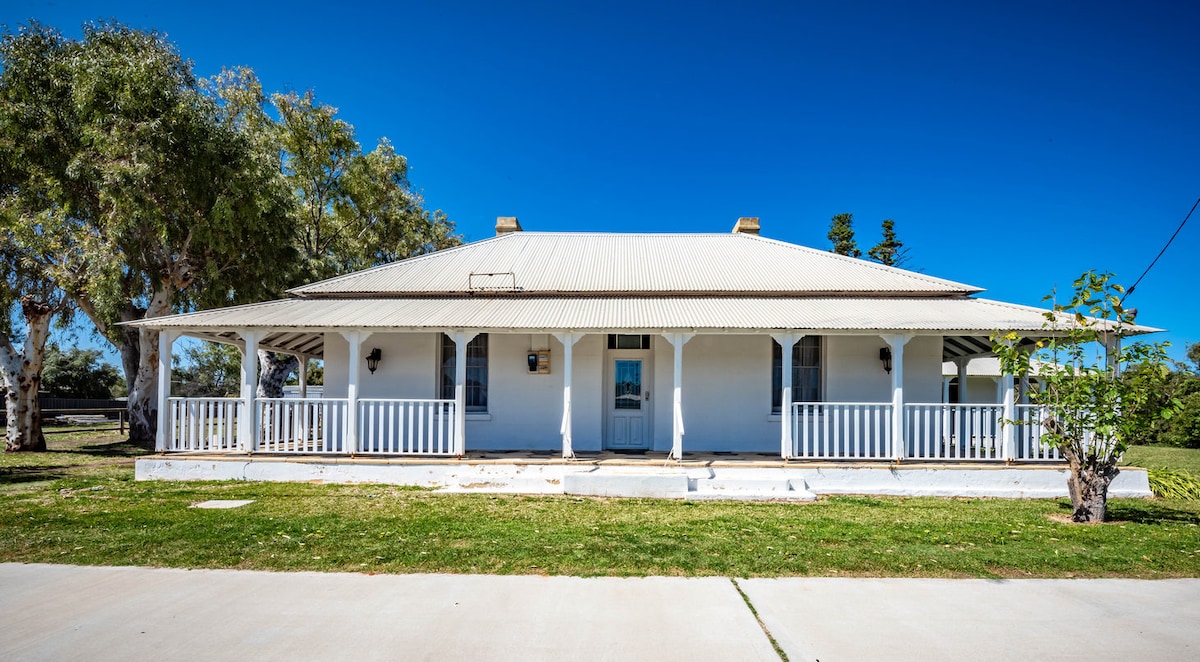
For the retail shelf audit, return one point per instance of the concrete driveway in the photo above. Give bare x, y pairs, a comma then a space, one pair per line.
50, 612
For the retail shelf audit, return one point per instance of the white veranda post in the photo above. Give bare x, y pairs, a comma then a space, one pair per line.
568, 341
896, 343
1008, 434
461, 340
166, 339
787, 342
677, 340
302, 377
248, 426
350, 438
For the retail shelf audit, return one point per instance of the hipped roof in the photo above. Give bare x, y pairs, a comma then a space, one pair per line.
623, 283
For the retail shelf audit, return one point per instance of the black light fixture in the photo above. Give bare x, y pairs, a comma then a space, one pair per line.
373, 359
885, 355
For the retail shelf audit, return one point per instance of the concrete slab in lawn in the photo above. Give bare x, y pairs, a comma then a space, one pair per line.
80, 613
978, 619
222, 503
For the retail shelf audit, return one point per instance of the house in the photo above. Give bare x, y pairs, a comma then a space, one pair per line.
575, 344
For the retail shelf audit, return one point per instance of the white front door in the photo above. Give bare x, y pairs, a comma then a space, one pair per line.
627, 425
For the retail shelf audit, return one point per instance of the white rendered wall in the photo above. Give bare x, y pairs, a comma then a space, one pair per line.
726, 390
726, 394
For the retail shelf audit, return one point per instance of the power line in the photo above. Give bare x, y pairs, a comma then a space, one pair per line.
1160, 253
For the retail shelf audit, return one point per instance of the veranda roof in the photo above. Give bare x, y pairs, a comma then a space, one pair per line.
298, 325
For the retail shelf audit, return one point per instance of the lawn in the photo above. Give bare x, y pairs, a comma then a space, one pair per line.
1187, 459
81, 505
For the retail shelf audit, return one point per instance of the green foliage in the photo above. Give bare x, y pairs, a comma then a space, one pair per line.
207, 369
1174, 484
1089, 410
889, 251
1097, 412
127, 167
841, 233
316, 375
353, 210
79, 373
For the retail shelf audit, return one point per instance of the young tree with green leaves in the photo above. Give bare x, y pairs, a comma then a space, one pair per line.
1088, 410
889, 251
841, 233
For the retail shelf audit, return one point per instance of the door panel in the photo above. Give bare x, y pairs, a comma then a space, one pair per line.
627, 404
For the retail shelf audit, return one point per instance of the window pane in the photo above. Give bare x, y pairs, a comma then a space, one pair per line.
628, 384
477, 372
806, 372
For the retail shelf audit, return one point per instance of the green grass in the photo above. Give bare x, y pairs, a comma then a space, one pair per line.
1171, 457
93, 512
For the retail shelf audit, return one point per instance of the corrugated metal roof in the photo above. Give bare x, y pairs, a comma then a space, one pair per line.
949, 315
549, 262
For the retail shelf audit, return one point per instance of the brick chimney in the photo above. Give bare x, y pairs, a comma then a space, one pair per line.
506, 224
746, 225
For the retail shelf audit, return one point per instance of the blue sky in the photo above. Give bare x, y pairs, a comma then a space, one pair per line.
1016, 144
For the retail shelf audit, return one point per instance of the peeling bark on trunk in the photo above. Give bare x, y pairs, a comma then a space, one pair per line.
275, 372
143, 392
22, 373
1088, 482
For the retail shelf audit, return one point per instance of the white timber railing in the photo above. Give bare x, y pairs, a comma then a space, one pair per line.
301, 425
842, 430
407, 427
939, 431
203, 424
1029, 436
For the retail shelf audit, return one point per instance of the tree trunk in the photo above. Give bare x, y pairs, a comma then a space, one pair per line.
23, 375
275, 372
143, 393
1089, 493
1089, 479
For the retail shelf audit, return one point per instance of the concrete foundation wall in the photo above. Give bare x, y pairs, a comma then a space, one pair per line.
731, 480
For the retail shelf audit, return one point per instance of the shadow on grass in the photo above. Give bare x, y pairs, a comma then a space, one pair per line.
114, 449
1146, 511
18, 475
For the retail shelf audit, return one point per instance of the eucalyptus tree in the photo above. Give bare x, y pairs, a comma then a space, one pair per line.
170, 204
350, 210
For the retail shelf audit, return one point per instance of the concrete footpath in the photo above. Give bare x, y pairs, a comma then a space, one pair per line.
51, 612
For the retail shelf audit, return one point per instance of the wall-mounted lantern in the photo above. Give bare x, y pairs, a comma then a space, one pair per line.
373, 359
885, 355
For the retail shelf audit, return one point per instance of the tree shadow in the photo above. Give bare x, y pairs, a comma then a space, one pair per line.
19, 475
1148, 511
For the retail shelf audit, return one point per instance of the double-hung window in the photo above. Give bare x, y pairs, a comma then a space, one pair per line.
806, 372
477, 372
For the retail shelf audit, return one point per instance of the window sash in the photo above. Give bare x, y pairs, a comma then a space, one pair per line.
477, 372
806, 372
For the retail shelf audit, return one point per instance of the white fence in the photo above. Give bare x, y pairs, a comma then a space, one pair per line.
842, 430
954, 431
295, 425
1029, 436
407, 427
203, 424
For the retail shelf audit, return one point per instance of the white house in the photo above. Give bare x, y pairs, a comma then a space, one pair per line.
579, 343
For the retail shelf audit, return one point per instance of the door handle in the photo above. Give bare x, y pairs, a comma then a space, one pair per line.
647, 396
